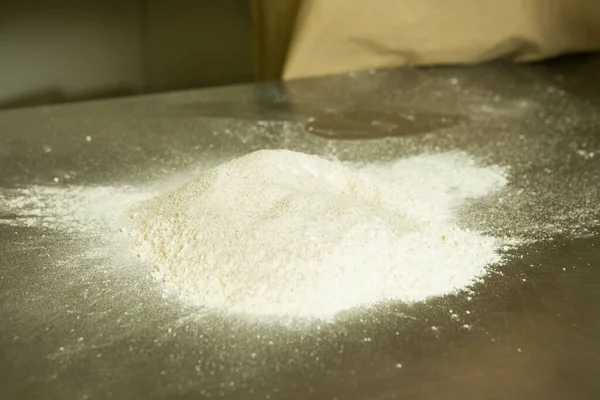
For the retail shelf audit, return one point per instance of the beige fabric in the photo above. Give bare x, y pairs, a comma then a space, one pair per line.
338, 36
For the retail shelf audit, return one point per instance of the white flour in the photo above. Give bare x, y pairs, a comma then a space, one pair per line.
283, 233
94, 210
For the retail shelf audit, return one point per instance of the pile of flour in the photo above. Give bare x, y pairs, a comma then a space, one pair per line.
288, 234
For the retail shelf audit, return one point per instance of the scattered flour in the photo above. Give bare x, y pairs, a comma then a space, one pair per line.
95, 210
283, 233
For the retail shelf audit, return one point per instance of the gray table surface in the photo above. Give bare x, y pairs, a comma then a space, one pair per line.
535, 321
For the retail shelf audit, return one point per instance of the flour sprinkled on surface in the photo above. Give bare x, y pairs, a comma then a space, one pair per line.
288, 234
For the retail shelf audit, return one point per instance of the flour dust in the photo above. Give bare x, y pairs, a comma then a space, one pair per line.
282, 233
285, 234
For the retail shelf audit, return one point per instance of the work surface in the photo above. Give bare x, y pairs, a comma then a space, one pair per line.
82, 327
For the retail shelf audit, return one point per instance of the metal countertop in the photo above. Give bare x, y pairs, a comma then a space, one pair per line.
81, 327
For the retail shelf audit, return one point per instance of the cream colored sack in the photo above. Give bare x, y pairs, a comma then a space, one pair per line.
300, 38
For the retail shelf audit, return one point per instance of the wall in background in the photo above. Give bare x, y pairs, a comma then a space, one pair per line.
64, 50
191, 43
